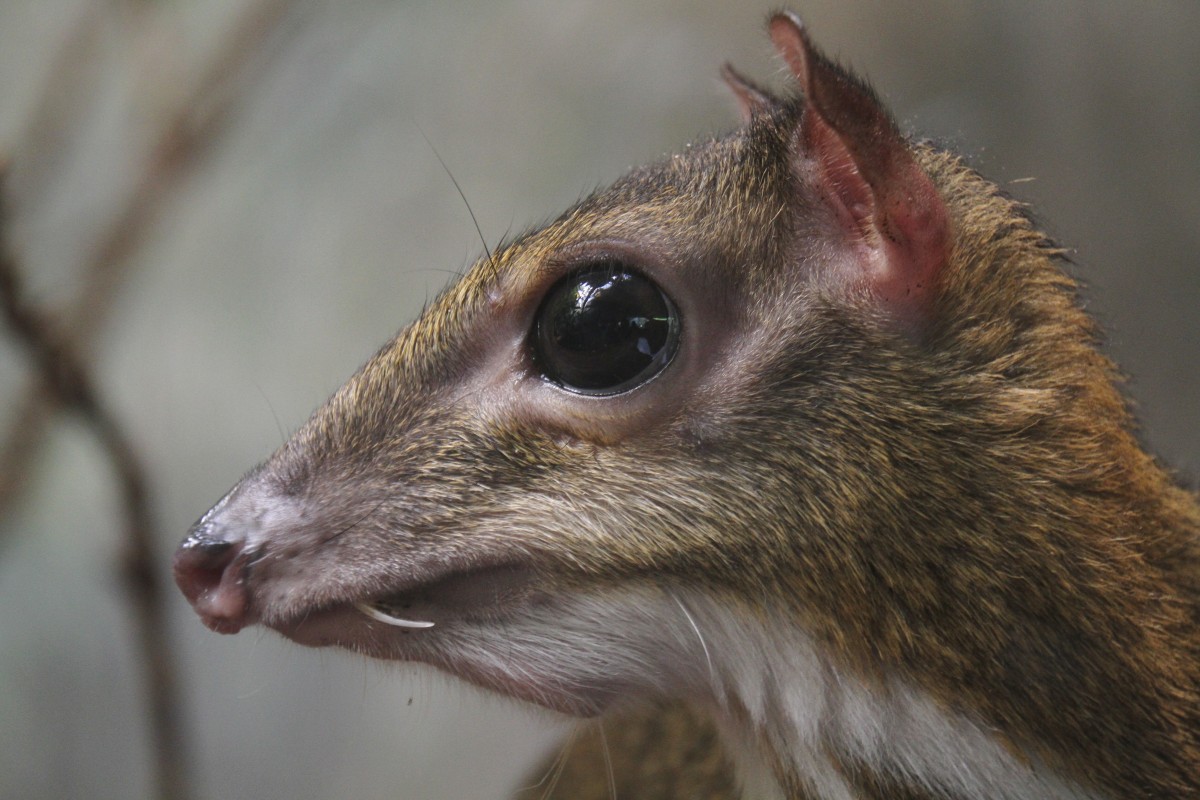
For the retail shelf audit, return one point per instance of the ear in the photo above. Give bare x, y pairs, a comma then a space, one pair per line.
887, 204
751, 100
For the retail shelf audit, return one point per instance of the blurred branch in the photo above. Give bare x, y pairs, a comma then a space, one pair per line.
64, 377
182, 140
64, 382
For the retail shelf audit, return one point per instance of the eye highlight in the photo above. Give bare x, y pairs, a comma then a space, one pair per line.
604, 329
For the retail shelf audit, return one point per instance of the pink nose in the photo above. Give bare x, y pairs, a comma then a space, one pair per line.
210, 570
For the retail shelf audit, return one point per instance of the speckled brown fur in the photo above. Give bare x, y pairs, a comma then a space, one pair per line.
1053, 586
956, 501
661, 751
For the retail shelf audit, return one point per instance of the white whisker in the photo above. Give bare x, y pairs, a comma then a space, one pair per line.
712, 675
608, 765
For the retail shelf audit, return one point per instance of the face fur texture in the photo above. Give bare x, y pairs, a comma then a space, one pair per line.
881, 514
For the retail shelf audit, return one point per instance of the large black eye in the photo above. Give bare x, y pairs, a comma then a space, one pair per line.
605, 329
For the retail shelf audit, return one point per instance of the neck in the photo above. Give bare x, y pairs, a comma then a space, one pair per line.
800, 726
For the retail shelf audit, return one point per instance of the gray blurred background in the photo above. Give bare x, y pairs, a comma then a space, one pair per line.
232, 282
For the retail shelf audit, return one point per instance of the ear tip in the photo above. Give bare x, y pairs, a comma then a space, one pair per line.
790, 38
787, 23
734, 78
751, 99
786, 16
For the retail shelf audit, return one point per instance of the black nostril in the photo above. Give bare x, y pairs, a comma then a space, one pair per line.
209, 569
217, 552
200, 563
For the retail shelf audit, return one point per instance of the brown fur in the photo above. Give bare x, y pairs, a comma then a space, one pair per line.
653, 751
1054, 587
966, 510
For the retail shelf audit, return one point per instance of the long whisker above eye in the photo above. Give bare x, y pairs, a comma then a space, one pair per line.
471, 211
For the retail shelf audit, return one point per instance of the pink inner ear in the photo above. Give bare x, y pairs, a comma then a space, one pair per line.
915, 229
848, 192
900, 227
868, 172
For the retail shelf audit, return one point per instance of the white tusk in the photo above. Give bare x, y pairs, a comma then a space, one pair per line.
387, 619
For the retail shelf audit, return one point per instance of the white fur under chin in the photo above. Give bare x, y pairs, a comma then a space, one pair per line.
808, 708
663, 639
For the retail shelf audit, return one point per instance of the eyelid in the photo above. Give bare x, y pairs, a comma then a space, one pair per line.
580, 255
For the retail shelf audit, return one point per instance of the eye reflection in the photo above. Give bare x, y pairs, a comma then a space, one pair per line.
605, 330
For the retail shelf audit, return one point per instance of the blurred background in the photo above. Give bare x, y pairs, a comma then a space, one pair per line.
232, 203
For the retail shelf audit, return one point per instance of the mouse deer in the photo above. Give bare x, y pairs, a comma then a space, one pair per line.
801, 436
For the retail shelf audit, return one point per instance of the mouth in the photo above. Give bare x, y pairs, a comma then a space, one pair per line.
441, 605
485, 626
232, 585
493, 621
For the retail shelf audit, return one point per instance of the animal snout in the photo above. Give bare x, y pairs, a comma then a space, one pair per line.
210, 568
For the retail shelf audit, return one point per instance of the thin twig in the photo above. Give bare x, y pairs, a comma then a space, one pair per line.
180, 144
65, 377
63, 381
